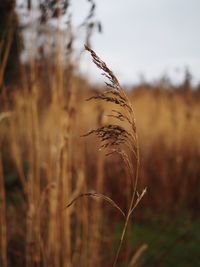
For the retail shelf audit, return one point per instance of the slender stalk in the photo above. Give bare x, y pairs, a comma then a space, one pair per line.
130, 210
115, 137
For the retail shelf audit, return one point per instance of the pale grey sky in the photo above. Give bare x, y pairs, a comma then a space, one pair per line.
151, 37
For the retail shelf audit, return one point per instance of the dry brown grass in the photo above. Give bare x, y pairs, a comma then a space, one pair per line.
52, 164
43, 137
45, 164
118, 140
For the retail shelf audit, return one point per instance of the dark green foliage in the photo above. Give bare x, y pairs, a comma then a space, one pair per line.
173, 241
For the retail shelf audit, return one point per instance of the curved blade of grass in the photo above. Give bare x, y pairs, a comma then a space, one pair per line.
96, 195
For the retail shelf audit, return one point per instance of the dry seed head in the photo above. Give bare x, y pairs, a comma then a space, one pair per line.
102, 65
114, 135
111, 135
114, 100
116, 94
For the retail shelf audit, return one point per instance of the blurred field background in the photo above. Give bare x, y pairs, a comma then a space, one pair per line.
45, 163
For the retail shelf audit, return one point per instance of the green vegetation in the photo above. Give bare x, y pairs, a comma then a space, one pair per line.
173, 241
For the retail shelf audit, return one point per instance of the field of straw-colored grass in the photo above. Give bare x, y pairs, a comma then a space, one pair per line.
45, 163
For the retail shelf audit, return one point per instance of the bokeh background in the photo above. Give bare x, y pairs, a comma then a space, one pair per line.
45, 162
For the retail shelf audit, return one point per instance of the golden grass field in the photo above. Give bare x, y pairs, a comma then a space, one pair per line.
92, 175
45, 164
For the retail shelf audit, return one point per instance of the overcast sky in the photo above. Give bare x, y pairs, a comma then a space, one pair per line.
149, 37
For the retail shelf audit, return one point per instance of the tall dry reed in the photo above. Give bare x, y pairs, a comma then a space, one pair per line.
120, 139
